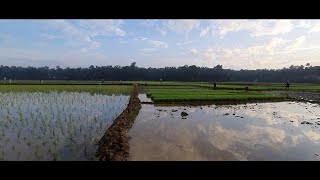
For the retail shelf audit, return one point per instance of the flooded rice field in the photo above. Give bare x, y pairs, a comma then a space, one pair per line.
300, 96
253, 131
55, 126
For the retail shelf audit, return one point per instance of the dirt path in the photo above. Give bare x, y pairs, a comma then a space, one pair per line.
114, 145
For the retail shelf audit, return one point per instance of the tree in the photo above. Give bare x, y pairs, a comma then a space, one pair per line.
133, 64
218, 66
295, 73
291, 67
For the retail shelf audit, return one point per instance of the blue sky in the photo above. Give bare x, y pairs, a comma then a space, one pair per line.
236, 44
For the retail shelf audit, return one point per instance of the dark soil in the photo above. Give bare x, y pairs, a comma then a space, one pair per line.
184, 114
313, 97
306, 122
114, 145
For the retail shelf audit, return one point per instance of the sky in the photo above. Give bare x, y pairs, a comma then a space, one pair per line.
235, 44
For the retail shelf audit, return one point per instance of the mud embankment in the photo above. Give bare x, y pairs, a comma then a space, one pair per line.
114, 145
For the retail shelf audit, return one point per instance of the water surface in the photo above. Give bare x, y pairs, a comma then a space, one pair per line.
55, 126
263, 131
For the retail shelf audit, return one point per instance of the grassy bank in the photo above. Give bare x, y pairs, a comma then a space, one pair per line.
114, 145
112, 89
191, 95
264, 87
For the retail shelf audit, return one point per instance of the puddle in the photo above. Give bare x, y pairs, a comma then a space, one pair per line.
313, 97
144, 99
264, 131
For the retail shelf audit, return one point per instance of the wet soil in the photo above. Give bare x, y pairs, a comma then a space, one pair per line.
114, 145
313, 97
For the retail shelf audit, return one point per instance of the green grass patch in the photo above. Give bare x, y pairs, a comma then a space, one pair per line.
185, 95
98, 89
173, 87
253, 86
265, 87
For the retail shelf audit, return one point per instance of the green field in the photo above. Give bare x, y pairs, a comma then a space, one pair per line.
253, 86
66, 82
98, 89
265, 87
193, 95
167, 91
173, 87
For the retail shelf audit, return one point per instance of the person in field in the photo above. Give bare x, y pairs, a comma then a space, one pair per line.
214, 84
287, 85
246, 88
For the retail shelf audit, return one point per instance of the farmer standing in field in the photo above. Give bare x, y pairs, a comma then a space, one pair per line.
287, 85
214, 84
246, 88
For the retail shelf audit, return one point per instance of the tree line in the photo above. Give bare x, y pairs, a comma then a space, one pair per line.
302, 73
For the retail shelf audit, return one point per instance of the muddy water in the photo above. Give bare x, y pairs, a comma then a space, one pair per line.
264, 131
305, 96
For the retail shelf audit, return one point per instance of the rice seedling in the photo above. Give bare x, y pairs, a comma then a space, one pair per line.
54, 117
2, 156
29, 143
55, 156
37, 152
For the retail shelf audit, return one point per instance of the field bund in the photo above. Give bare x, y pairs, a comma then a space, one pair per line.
114, 145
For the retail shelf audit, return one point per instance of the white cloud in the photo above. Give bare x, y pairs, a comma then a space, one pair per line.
155, 46
152, 24
304, 24
102, 27
162, 31
209, 54
204, 32
274, 28
182, 25
206, 57
268, 46
194, 51
158, 44
255, 27
296, 44
73, 34
309, 25
82, 33
276, 53
275, 43
284, 54
255, 51
313, 136
315, 28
